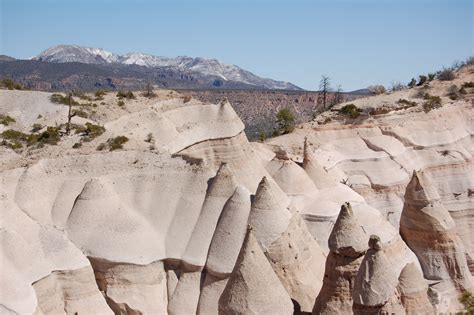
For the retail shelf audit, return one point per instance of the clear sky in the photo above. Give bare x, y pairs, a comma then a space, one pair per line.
356, 43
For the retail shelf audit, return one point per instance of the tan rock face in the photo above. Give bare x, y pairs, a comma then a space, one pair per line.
430, 232
414, 291
253, 287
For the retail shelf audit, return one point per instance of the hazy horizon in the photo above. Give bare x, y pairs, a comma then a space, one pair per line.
356, 44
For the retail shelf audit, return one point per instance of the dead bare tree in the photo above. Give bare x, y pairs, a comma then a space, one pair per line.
338, 96
70, 113
324, 89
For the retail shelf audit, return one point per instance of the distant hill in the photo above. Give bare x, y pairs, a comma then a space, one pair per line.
71, 66
6, 58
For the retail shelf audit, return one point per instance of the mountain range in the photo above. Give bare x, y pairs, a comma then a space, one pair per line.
73, 66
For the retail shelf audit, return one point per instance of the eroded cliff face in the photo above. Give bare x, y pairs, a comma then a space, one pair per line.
165, 229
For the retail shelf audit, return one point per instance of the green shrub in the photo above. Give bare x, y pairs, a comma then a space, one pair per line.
149, 138
77, 145
11, 134
453, 92
422, 80
285, 121
262, 136
379, 111
82, 96
350, 110
116, 143
36, 127
101, 147
50, 136
6, 120
92, 131
128, 95
431, 76
467, 300
121, 103
10, 84
468, 85
99, 95
406, 103
61, 99
412, 83
447, 74
81, 113
432, 102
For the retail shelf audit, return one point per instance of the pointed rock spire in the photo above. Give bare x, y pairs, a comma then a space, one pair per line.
220, 189
229, 233
315, 171
347, 238
269, 214
423, 209
376, 282
253, 287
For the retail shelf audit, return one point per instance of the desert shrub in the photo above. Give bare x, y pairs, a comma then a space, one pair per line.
186, 98
149, 138
116, 143
262, 136
61, 99
128, 95
77, 145
6, 120
379, 111
101, 147
82, 96
453, 92
11, 134
50, 136
406, 103
431, 102
469, 61
81, 113
377, 89
285, 121
467, 300
350, 110
468, 85
447, 74
422, 80
10, 84
121, 103
431, 76
412, 83
99, 95
36, 127
91, 131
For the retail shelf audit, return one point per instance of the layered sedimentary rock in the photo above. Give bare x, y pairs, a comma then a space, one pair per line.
430, 232
348, 243
376, 283
253, 287
413, 290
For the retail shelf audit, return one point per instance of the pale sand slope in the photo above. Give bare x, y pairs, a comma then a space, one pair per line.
156, 218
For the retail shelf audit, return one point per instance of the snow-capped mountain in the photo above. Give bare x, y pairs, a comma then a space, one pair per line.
202, 66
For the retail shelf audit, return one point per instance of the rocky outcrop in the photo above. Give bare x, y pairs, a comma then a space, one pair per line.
315, 171
375, 284
413, 289
429, 231
345, 256
253, 287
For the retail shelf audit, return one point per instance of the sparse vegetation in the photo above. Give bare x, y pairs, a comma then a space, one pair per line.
80, 113
467, 300
431, 102
99, 95
121, 103
149, 91
128, 95
77, 145
324, 89
380, 111
468, 85
36, 127
92, 131
15, 139
113, 144
431, 76
186, 98
377, 89
350, 110
453, 92
61, 99
422, 80
412, 83
406, 103
6, 120
262, 136
11, 84
447, 74
397, 86
285, 121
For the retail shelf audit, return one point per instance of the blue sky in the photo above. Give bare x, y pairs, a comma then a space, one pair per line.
356, 43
